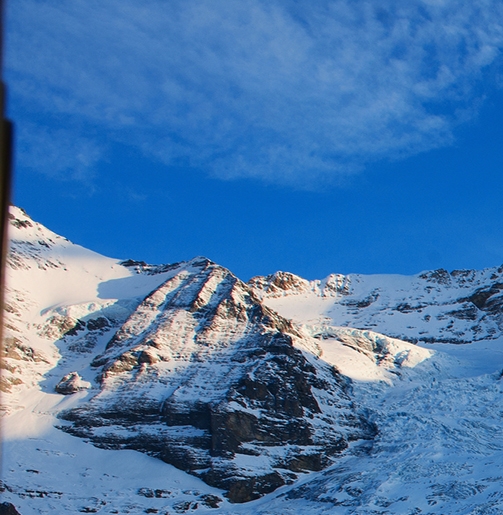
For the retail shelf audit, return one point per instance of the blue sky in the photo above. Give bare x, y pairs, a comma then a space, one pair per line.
345, 136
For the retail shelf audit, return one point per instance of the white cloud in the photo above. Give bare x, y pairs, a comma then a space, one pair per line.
58, 152
286, 91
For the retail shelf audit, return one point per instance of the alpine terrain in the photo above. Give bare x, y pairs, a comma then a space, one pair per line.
137, 388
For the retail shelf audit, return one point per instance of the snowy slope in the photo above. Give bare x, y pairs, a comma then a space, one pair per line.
438, 451
193, 341
53, 288
457, 307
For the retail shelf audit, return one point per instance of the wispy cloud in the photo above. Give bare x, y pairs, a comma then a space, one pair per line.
286, 91
59, 152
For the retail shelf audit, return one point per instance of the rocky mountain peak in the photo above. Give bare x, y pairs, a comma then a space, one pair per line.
281, 284
213, 381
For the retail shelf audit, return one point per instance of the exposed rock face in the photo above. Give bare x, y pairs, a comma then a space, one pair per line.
21, 365
205, 377
282, 284
35, 255
6, 508
72, 383
461, 306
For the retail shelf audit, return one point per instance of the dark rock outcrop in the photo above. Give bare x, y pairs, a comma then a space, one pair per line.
436, 306
6, 508
71, 383
205, 377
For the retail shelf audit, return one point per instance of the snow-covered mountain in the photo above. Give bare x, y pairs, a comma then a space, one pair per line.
135, 388
462, 306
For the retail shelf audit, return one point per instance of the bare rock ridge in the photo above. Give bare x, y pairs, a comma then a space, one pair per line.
437, 306
205, 377
284, 283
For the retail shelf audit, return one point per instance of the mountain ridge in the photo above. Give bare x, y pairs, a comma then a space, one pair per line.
443, 300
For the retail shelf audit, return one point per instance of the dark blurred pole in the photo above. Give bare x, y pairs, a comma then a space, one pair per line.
5, 182
5, 168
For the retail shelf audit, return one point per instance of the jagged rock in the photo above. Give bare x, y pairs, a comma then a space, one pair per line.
440, 276
245, 489
185, 506
366, 302
284, 283
363, 303
72, 383
279, 283
233, 379
211, 501
6, 508
157, 493
484, 298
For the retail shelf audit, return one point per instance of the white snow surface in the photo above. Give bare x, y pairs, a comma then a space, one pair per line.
430, 306
438, 407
